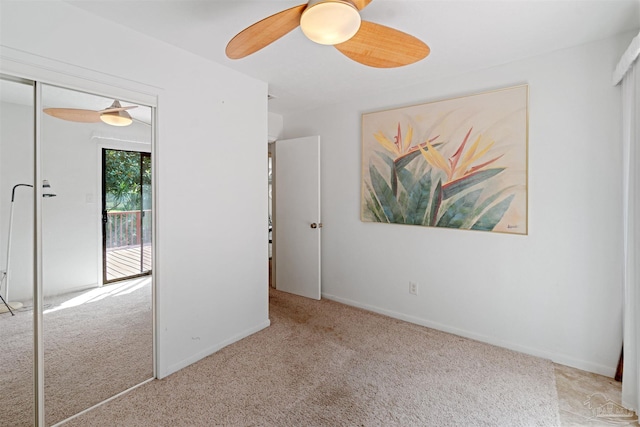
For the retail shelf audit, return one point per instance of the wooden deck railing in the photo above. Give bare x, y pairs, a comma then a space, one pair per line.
128, 228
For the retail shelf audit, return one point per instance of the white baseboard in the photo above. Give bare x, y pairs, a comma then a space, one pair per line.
562, 359
210, 350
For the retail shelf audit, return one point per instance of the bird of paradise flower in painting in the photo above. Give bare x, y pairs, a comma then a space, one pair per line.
422, 187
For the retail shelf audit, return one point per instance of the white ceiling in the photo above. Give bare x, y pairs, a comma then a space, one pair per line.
463, 36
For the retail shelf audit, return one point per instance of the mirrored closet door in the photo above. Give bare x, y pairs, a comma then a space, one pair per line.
16, 252
93, 337
98, 335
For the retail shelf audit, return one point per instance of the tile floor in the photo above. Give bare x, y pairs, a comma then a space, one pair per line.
588, 399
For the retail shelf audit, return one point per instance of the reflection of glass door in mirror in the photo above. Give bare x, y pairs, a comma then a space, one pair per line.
16, 252
126, 214
98, 337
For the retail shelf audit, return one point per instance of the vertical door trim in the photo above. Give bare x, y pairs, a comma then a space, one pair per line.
140, 162
38, 340
103, 213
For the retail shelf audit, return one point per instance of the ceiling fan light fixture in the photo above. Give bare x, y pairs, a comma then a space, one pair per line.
116, 118
330, 22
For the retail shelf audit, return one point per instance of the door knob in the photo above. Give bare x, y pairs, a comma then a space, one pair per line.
314, 225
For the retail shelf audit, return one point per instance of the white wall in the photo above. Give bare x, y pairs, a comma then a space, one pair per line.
554, 293
211, 262
276, 126
16, 167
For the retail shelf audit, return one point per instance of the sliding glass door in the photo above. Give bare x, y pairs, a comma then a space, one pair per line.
126, 214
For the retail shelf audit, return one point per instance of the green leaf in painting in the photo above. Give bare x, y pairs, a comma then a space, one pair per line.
387, 159
387, 200
452, 188
459, 210
372, 212
419, 200
492, 217
406, 179
484, 205
394, 182
374, 207
394, 176
421, 169
403, 199
435, 205
404, 160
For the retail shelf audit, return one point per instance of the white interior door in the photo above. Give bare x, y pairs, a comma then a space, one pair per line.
297, 216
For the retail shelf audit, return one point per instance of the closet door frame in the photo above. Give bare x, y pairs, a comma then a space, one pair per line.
26, 68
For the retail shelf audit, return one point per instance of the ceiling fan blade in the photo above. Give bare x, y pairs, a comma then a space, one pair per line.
382, 47
111, 110
264, 32
360, 4
74, 115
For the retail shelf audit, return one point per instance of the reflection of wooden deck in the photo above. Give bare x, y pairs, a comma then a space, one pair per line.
124, 262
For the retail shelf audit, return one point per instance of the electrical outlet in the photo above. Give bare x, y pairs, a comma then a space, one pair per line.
413, 288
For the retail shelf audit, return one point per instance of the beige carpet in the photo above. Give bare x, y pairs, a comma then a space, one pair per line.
93, 350
327, 364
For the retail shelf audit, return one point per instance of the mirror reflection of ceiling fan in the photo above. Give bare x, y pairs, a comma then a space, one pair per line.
115, 115
337, 23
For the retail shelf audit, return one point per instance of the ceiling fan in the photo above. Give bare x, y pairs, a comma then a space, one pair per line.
337, 23
115, 115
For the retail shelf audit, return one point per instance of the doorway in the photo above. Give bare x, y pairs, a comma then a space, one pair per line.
126, 214
270, 212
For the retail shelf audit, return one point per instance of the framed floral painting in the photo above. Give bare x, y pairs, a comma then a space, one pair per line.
458, 163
